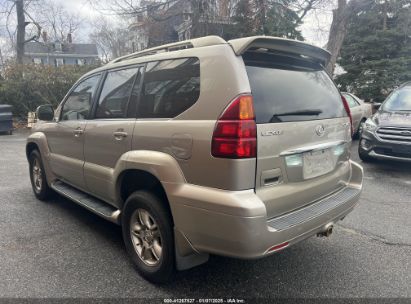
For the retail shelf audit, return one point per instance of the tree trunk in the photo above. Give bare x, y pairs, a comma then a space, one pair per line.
385, 11
21, 30
337, 33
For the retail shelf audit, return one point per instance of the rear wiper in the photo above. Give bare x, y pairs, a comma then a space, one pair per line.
276, 117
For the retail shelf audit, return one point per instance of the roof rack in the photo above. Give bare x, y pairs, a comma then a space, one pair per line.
187, 44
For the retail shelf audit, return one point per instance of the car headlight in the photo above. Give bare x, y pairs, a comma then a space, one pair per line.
370, 125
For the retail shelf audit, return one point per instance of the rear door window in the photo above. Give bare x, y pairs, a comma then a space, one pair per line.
352, 103
115, 95
287, 89
170, 87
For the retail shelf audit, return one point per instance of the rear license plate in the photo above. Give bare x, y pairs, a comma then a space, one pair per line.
317, 163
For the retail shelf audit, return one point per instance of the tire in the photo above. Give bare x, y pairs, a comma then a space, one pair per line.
357, 134
38, 177
364, 156
142, 210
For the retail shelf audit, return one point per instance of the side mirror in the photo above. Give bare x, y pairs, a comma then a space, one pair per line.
376, 105
45, 112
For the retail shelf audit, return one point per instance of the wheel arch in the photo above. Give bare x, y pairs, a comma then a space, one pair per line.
132, 180
146, 170
30, 147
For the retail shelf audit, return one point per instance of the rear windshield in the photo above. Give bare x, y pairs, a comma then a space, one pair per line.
288, 89
399, 100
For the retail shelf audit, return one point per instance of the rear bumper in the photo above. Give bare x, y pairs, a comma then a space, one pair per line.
234, 223
384, 150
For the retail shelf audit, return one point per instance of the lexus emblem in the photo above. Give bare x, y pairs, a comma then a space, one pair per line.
406, 133
320, 130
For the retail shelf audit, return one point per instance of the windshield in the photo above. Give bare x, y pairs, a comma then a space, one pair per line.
286, 90
399, 100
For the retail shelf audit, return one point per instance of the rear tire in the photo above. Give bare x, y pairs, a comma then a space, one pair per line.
38, 177
148, 236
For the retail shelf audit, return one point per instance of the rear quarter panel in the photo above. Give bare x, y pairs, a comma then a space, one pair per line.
188, 136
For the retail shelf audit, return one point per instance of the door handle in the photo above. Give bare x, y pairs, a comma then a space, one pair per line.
77, 132
119, 135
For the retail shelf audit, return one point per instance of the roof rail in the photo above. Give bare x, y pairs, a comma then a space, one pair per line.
187, 44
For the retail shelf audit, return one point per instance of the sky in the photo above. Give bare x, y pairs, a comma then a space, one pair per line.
315, 27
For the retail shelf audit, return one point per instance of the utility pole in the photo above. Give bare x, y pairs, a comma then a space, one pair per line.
21, 30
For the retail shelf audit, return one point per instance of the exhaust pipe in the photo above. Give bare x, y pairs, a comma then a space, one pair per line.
328, 230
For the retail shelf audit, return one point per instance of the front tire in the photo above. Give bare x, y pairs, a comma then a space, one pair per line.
364, 156
148, 236
358, 134
38, 177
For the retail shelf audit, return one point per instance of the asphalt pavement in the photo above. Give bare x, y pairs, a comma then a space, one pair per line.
59, 250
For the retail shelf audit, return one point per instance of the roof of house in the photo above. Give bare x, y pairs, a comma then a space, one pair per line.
67, 48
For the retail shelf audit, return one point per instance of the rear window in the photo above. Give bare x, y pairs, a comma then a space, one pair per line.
287, 89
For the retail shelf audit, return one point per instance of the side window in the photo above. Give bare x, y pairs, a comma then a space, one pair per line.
351, 101
115, 95
170, 87
78, 103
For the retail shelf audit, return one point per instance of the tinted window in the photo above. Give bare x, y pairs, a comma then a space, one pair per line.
287, 89
351, 102
399, 100
78, 103
115, 95
170, 87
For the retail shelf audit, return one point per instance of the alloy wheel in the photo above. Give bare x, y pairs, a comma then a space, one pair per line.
37, 175
146, 237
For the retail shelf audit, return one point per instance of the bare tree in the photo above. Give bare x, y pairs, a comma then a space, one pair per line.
21, 30
111, 41
18, 37
338, 30
56, 20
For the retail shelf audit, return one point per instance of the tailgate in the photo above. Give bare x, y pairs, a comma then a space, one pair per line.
303, 131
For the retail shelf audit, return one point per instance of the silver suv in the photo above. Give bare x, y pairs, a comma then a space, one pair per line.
238, 148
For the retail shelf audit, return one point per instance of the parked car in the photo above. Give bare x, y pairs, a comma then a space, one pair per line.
238, 148
360, 112
387, 134
6, 119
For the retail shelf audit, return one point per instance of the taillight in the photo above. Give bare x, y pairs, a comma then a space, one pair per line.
347, 109
235, 134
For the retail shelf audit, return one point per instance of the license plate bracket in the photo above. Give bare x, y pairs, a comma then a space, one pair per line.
317, 163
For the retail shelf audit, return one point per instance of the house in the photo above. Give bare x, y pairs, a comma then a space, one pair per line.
176, 21
60, 53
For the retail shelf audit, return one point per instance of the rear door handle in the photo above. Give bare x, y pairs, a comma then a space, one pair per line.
119, 135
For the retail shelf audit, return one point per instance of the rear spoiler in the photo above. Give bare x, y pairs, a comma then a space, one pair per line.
242, 45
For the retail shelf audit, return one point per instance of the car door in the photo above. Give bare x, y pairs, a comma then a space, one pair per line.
66, 138
356, 111
109, 134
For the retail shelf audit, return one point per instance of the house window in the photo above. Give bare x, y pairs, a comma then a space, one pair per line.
59, 62
58, 47
37, 61
80, 61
